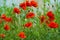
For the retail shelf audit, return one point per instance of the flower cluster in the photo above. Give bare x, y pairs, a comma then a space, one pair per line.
50, 21
26, 4
5, 18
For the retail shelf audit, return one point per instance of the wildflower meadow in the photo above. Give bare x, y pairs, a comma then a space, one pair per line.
30, 20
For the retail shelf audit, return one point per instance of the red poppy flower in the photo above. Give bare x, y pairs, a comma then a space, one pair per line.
28, 24
23, 5
53, 25
50, 15
16, 10
28, 3
51, 19
8, 19
22, 35
6, 27
2, 35
3, 16
30, 15
42, 18
33, 3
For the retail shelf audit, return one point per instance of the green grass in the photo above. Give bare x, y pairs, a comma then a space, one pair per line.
37, 32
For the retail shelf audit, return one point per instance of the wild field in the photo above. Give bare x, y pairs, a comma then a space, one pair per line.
30, 20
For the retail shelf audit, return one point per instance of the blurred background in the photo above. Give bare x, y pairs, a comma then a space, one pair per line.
16, 2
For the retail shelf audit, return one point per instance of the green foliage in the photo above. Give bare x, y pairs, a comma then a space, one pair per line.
37, 32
